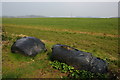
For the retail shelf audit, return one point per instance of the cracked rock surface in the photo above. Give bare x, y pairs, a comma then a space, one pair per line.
29, 46
78, 59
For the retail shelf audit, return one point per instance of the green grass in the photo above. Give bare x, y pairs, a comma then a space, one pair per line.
82, 24
58, 31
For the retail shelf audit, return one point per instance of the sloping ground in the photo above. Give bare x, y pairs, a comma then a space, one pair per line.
19, 66
92, 43
62, 30
103, 45
94, 25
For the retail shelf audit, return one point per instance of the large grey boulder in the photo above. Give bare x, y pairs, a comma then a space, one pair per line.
29, 46
78, 59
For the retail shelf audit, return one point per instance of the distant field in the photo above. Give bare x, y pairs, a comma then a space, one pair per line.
98, 36
100, 25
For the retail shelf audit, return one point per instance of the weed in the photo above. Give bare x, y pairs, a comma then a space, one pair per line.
81, 74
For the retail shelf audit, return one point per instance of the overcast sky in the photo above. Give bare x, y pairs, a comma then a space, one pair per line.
96, 9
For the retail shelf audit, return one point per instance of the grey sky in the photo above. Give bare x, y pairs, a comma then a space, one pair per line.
99, 9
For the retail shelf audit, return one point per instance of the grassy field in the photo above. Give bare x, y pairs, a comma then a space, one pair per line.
98, 36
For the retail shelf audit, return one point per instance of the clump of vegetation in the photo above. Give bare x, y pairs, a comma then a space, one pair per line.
62, 66
81, 74
5, 37
11, 37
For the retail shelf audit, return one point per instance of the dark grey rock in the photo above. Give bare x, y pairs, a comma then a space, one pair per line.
78, 59
98, 65
29, 46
